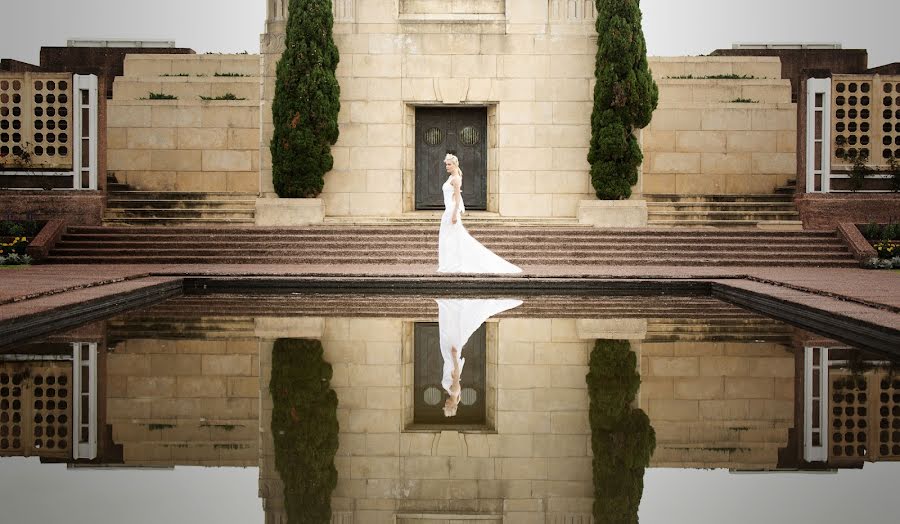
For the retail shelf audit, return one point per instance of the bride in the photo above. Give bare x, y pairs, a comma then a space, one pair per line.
458, 252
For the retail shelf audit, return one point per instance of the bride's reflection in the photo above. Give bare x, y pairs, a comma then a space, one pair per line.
457, 320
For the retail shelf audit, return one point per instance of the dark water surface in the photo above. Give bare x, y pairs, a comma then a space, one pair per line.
333, 407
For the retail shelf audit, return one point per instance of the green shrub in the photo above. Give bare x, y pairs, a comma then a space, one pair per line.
231, 74
743, 101
625, 96
894, 171
160, 96
226, 96
307, 101
305, 428
622, 438
859, 171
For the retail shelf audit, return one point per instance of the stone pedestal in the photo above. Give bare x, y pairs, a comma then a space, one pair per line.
613, 213
289, 211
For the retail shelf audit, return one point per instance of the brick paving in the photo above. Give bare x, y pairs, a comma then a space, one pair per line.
858, 293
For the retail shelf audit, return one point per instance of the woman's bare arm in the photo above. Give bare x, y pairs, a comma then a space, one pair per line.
456, 182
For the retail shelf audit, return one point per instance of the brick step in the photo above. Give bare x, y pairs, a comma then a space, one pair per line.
180, 204
765, 197
430, 245
369, 260
511, 253
568, 233
179, 195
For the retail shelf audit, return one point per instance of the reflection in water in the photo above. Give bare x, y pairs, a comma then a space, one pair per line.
197, 380
457, 320
621, 436
304, 428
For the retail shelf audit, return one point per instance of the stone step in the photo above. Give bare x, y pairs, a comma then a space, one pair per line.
691, 215
654, 207
180, 204
173, 213
765, 197
139, 221
179, 195
795, 225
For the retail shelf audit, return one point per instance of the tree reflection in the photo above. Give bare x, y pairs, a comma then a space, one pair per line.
621, 436
305, 428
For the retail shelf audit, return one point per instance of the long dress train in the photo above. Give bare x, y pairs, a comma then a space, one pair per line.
458, 252
457, 320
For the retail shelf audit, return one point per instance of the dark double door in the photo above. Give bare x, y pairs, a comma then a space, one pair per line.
458, 130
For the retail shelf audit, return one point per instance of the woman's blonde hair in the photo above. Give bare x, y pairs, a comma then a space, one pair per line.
453, 158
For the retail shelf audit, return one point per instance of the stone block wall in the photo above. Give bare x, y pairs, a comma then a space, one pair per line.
184, 402
718, 404
701, 142
187, 144
532, 73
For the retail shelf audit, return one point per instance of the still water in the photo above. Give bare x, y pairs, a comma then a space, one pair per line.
417, 410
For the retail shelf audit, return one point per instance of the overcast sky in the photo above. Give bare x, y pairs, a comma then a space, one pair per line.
683, 27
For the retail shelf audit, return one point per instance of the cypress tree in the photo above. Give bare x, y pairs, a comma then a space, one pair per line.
622, 438
304, 428
625, 96
307, 101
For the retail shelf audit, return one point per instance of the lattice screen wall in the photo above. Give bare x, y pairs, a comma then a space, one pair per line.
36, 116
865, 417
36, 409
865, 117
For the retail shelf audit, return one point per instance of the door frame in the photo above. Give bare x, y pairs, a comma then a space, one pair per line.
409, 155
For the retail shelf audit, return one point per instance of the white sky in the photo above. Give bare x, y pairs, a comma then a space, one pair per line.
682, 27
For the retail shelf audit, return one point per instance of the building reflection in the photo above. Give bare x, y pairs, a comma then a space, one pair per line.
187, 382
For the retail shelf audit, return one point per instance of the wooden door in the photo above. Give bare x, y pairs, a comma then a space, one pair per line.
429, 394
461, 131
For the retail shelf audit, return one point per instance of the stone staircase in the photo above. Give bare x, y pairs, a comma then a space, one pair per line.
417, 245
765, 211
160, 208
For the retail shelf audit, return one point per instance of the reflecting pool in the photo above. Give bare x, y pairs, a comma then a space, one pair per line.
352, 408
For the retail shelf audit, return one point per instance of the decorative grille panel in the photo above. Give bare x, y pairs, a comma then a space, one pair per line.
36, 409
36, 118
865, 416
865, 119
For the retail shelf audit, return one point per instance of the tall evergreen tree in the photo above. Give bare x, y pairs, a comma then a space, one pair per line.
625, 96
307, 101
622, 438
304, 428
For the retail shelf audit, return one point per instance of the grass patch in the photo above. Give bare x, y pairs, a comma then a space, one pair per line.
714, 77
743, 101
160, 96
231, 74
226, 96
174, 74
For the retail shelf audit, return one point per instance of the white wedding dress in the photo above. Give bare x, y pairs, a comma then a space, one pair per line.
458, 252
457, 320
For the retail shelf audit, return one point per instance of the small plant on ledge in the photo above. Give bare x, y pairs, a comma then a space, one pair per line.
713, 77
226, 96
860, 169
174, 74
743, 101
230, 74
160, 96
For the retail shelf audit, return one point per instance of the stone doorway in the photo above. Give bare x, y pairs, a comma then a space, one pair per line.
458, 130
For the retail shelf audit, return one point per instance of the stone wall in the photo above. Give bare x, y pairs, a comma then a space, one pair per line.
183, 402
187, 144
718, 404
532, 73
699, 142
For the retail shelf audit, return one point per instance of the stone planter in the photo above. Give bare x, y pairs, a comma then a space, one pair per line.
613, 213
289, 211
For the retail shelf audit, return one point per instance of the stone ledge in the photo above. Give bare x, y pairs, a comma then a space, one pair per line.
613, 213
853, 238
289, 211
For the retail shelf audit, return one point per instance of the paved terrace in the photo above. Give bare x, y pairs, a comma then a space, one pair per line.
868, 295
